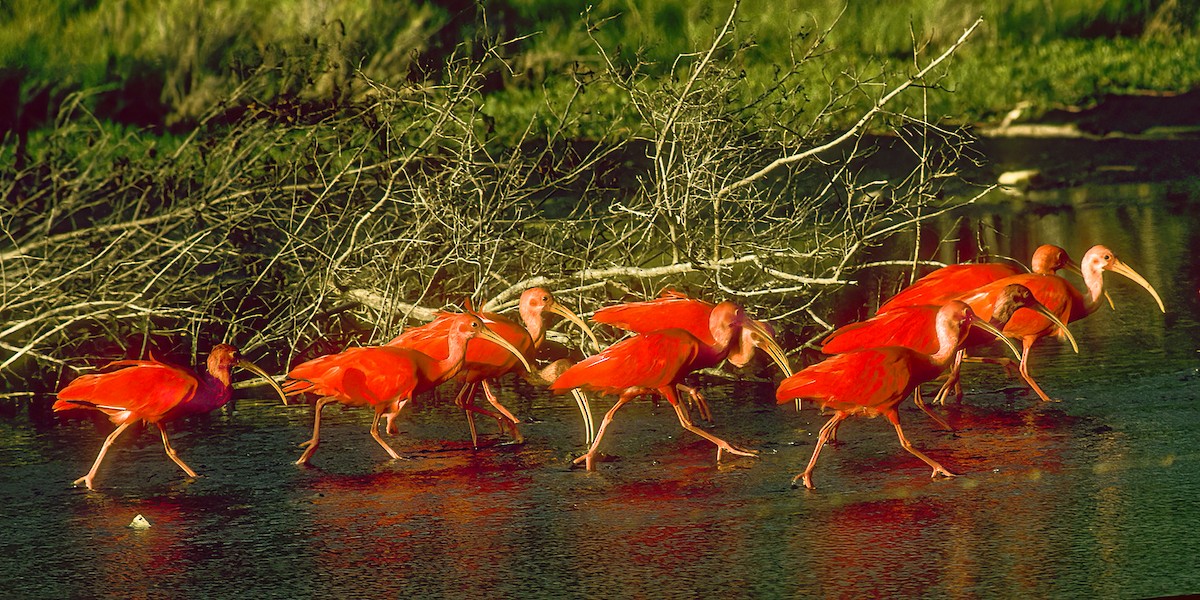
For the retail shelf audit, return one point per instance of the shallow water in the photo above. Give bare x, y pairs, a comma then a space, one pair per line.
1095, 496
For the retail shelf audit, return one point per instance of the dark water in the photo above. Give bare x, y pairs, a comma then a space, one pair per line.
1096, 496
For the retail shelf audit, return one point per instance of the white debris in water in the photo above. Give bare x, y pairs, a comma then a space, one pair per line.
139, 522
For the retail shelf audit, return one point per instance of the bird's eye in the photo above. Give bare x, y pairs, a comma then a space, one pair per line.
1107, 257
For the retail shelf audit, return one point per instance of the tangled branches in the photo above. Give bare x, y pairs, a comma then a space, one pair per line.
291, 237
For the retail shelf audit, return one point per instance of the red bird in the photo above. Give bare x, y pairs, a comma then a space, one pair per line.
873, 381
1058, 296
914, 327
486, 361
155, 392
676, 310
386, 377
948, 282
655, 363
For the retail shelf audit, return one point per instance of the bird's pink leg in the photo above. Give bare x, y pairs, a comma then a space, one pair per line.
91, 475
894, 417
952, 382
512, 420
465, 396
697, 399
921, 405
827, 431
375, 427
171, 452
311, 445
686, 421
590, 457
1028, 343
391, 417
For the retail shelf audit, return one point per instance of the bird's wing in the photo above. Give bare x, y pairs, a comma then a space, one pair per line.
385, 372
145, 389
946, 283
431, 340
668, 312
431, 332
649, 360
1054, 292
865, 378
910, 326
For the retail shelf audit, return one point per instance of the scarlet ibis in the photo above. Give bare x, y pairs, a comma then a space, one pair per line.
913, 327
655, 363
948, 282
486, 361
676, 310
155, 392
386, 377
1059, 297
873, 381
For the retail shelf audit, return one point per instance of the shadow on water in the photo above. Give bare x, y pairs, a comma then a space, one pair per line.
1091, 497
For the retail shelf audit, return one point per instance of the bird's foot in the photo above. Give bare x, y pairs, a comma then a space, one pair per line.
730, 449
588, 460
941, 471
85, 481
804, 477
306, 443
515, 433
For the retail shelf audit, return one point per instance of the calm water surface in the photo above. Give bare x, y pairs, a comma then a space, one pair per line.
1095, 496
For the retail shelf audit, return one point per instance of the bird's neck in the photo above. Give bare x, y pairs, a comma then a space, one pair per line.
450, 366
536, 326
213, 392
1094, 280
948, 344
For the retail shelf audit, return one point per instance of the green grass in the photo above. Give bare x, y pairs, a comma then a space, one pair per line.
171, 64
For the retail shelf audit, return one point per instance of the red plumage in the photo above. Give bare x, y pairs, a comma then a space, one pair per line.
154, 392
873, 381
948, 282
386, 377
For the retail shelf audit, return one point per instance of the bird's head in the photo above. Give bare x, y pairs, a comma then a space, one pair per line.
224, 357
955, 319
1049, 258
470, 325
1016, 296
1100, 258
729, 322
536, 302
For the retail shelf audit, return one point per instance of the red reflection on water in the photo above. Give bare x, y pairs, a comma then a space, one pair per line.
447, 514
132, 559
666, 527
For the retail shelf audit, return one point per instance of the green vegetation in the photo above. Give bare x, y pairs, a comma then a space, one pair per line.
165, 64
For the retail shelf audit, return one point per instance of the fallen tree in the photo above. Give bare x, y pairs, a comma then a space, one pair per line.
291, 237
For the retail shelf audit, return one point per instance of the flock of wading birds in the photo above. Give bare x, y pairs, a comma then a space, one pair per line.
873, 365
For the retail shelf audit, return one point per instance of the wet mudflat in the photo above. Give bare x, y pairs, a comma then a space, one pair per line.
1094, 496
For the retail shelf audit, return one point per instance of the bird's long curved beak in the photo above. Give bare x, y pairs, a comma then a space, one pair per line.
988, 327
566, 313
495, 338
763, 339
1045, 312
1116, 266
253, 368
585, 409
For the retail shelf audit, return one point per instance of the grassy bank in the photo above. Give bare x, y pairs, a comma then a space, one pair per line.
165, 65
